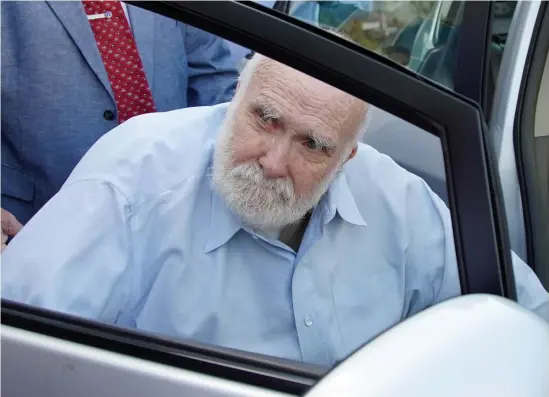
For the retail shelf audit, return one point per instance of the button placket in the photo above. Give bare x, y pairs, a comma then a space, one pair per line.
304, 303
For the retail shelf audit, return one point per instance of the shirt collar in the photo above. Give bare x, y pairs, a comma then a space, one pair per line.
224, 224
340, 198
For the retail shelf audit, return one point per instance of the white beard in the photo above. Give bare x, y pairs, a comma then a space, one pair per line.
265, 205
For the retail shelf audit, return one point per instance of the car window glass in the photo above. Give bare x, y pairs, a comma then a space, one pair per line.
139, 233
421, 35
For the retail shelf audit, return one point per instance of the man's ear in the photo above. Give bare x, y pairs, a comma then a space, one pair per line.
353, 153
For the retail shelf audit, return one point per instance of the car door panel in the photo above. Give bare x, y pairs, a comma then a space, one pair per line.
54, 367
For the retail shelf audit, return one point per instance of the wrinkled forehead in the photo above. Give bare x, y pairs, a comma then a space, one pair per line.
296, 94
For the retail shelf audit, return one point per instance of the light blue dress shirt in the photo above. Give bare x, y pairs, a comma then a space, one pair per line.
137, 237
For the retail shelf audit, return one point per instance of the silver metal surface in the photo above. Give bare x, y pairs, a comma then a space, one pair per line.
39, 365
502, 123
474, 345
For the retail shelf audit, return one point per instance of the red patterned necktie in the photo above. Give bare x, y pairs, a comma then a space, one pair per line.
121, 58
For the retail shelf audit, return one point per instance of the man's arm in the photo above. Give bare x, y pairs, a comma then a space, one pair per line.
212, 74
74, 255
530, 292
432, 274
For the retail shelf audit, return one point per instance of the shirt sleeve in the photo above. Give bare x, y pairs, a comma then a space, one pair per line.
432, 273
530, 292
74, 255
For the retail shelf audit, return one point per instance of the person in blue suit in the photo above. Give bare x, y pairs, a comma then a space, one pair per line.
57, 100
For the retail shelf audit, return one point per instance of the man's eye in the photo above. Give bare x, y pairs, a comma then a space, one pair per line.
311, 144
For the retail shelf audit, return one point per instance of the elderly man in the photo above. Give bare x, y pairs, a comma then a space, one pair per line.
259, 225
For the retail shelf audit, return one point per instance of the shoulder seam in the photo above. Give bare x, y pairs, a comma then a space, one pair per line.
102, 181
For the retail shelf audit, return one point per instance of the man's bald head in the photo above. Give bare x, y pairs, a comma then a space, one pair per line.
262, 73
285, 137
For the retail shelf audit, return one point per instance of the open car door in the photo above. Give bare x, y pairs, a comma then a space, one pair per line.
51, 354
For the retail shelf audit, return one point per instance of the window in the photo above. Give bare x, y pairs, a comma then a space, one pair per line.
131, 240
145, 248
421, 35
264, 258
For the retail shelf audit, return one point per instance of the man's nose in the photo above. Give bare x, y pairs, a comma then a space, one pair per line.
275, 162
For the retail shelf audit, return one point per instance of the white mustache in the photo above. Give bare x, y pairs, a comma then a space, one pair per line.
261, 203
252, 176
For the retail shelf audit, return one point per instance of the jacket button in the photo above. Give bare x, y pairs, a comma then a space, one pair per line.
108, 115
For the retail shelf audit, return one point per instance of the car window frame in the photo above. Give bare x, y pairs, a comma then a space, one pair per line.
472, 55
483, 254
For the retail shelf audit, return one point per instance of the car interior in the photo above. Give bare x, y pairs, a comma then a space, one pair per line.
541, 143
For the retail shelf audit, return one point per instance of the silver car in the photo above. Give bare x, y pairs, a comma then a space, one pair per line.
472, 82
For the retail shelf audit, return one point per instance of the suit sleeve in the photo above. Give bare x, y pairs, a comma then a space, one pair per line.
212, 74
74, 256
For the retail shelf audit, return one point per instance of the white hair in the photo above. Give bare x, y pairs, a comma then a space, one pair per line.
247, 74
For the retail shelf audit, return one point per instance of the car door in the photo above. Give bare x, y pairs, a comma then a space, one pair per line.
46, 353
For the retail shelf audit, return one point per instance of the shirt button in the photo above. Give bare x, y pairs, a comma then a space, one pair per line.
108, 115
308, 321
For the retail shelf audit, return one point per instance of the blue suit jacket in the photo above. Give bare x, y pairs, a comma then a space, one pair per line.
55, 89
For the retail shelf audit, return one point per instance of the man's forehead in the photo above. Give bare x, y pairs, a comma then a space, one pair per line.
270, 72
287, 86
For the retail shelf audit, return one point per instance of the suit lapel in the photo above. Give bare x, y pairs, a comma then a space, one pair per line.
143, 28
72, 16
